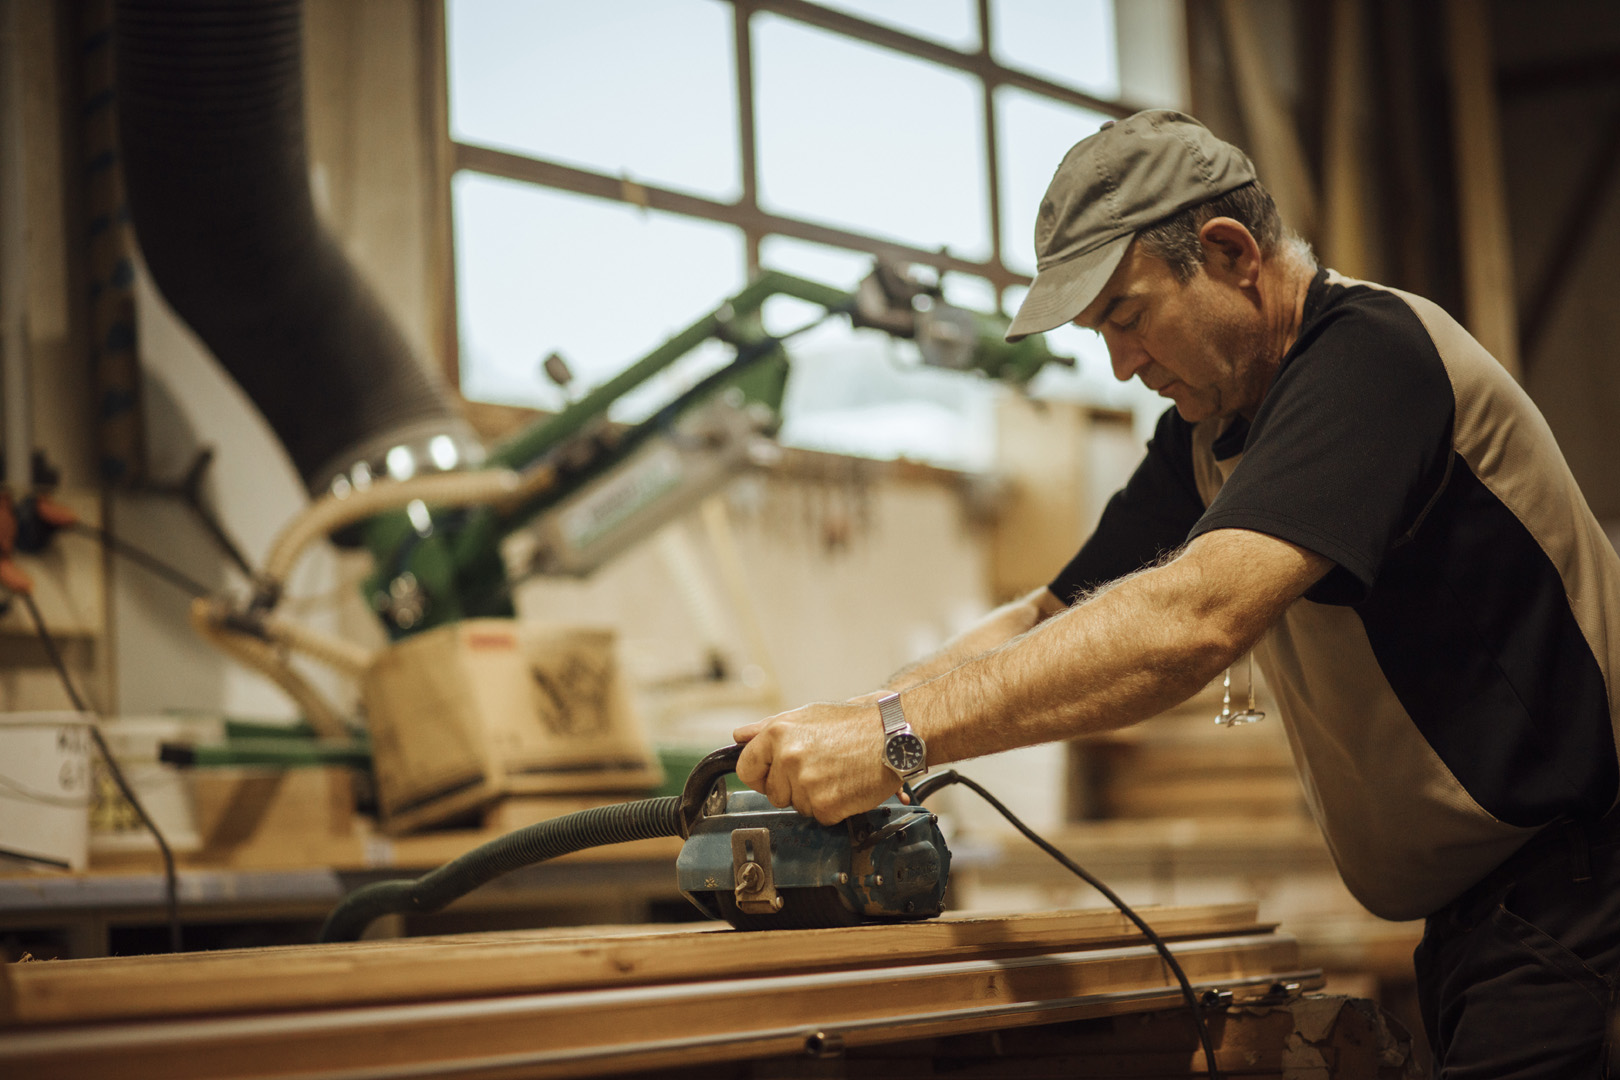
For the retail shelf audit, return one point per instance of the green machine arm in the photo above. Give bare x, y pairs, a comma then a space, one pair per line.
433, 567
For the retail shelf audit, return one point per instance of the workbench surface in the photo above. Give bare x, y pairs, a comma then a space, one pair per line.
599, 1001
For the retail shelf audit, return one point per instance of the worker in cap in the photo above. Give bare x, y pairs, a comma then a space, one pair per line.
1351, 489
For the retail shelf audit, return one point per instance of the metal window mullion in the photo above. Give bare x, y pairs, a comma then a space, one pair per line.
991, 155
753, 220
747, 140
980, 63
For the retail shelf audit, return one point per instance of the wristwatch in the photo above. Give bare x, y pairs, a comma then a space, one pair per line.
903, 749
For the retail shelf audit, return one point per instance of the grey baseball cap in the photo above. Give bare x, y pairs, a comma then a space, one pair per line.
1131, 174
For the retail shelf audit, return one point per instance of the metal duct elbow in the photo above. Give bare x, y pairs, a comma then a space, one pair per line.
211, 124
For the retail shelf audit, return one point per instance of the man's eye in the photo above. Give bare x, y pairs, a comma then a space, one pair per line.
1131, 323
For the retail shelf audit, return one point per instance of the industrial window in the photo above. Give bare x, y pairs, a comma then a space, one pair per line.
621, 167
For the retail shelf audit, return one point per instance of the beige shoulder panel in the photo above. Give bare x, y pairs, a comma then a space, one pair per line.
1206, 471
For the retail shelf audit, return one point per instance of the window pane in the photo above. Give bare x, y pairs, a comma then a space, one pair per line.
861, 392
968, 291
818, 262
952, 22
602, 283
1069, 41
1034, 132
864, 138
646, 87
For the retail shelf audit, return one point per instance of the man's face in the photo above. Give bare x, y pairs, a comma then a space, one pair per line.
1198, 343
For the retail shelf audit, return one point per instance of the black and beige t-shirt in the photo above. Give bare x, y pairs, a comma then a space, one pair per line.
1446, 685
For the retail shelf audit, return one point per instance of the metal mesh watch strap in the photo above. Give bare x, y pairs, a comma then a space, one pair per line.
894, 718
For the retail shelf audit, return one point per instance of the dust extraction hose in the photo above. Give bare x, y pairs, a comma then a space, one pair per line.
212, 141
431, 892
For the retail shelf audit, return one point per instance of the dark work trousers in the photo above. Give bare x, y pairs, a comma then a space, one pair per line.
1517, 977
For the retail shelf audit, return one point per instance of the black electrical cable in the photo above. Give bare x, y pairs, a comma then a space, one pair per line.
933, 784
144, 559
171, 883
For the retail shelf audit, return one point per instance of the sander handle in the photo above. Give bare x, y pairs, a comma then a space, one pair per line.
701, 781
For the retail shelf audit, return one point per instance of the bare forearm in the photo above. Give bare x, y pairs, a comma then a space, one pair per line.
991, 632
1129, 653
1125, 654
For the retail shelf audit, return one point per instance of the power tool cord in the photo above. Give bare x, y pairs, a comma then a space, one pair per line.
944, 779
171, 882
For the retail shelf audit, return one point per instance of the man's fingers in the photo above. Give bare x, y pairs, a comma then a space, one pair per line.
829, 815
779, 788
747, 731
754, 764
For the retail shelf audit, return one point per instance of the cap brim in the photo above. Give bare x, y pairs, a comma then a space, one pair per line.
1060, 293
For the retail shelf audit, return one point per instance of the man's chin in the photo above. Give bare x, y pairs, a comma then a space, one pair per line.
1194, 411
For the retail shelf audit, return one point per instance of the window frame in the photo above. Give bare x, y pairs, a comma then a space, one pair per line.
745, 213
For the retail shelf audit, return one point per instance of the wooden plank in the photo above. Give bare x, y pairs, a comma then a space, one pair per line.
617, 1029
301, 977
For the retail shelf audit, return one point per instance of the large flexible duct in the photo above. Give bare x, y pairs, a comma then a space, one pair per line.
211, 123
433, 891
672, 815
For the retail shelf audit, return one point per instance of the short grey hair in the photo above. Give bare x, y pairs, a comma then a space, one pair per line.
1175, 238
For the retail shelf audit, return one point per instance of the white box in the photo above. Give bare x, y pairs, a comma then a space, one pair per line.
46, 787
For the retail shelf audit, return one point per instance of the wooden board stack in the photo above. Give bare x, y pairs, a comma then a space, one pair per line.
606, 1001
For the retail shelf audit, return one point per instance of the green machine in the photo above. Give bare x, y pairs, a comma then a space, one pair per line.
610, 484
469, 704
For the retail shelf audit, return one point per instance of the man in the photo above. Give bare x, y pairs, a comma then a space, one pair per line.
1351, 486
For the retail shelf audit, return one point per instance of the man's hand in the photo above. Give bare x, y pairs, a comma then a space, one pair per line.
823, 760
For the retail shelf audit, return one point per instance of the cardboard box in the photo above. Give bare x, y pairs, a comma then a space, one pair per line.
465, 714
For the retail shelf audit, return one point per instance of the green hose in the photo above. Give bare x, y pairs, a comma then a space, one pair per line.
536, 843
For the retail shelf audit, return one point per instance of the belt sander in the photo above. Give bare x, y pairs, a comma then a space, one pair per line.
752, 864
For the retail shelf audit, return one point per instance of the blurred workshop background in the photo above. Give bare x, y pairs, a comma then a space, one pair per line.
526, 201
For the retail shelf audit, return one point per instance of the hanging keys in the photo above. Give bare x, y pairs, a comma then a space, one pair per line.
1249, 715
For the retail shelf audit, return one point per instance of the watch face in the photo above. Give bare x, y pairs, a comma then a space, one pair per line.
904, 752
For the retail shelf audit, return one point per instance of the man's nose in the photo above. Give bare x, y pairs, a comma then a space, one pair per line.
1125, 357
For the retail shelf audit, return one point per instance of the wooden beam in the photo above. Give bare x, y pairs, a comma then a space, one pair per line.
1485, 241
1570, 241
1277, 151
444, 334
1346, 209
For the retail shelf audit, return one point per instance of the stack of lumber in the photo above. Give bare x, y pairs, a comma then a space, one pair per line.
606, 1001
1183, 765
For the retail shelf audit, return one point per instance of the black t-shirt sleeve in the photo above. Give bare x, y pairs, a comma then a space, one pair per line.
1349, 446
1147, 518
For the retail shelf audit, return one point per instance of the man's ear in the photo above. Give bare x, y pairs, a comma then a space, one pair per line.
1231, 252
